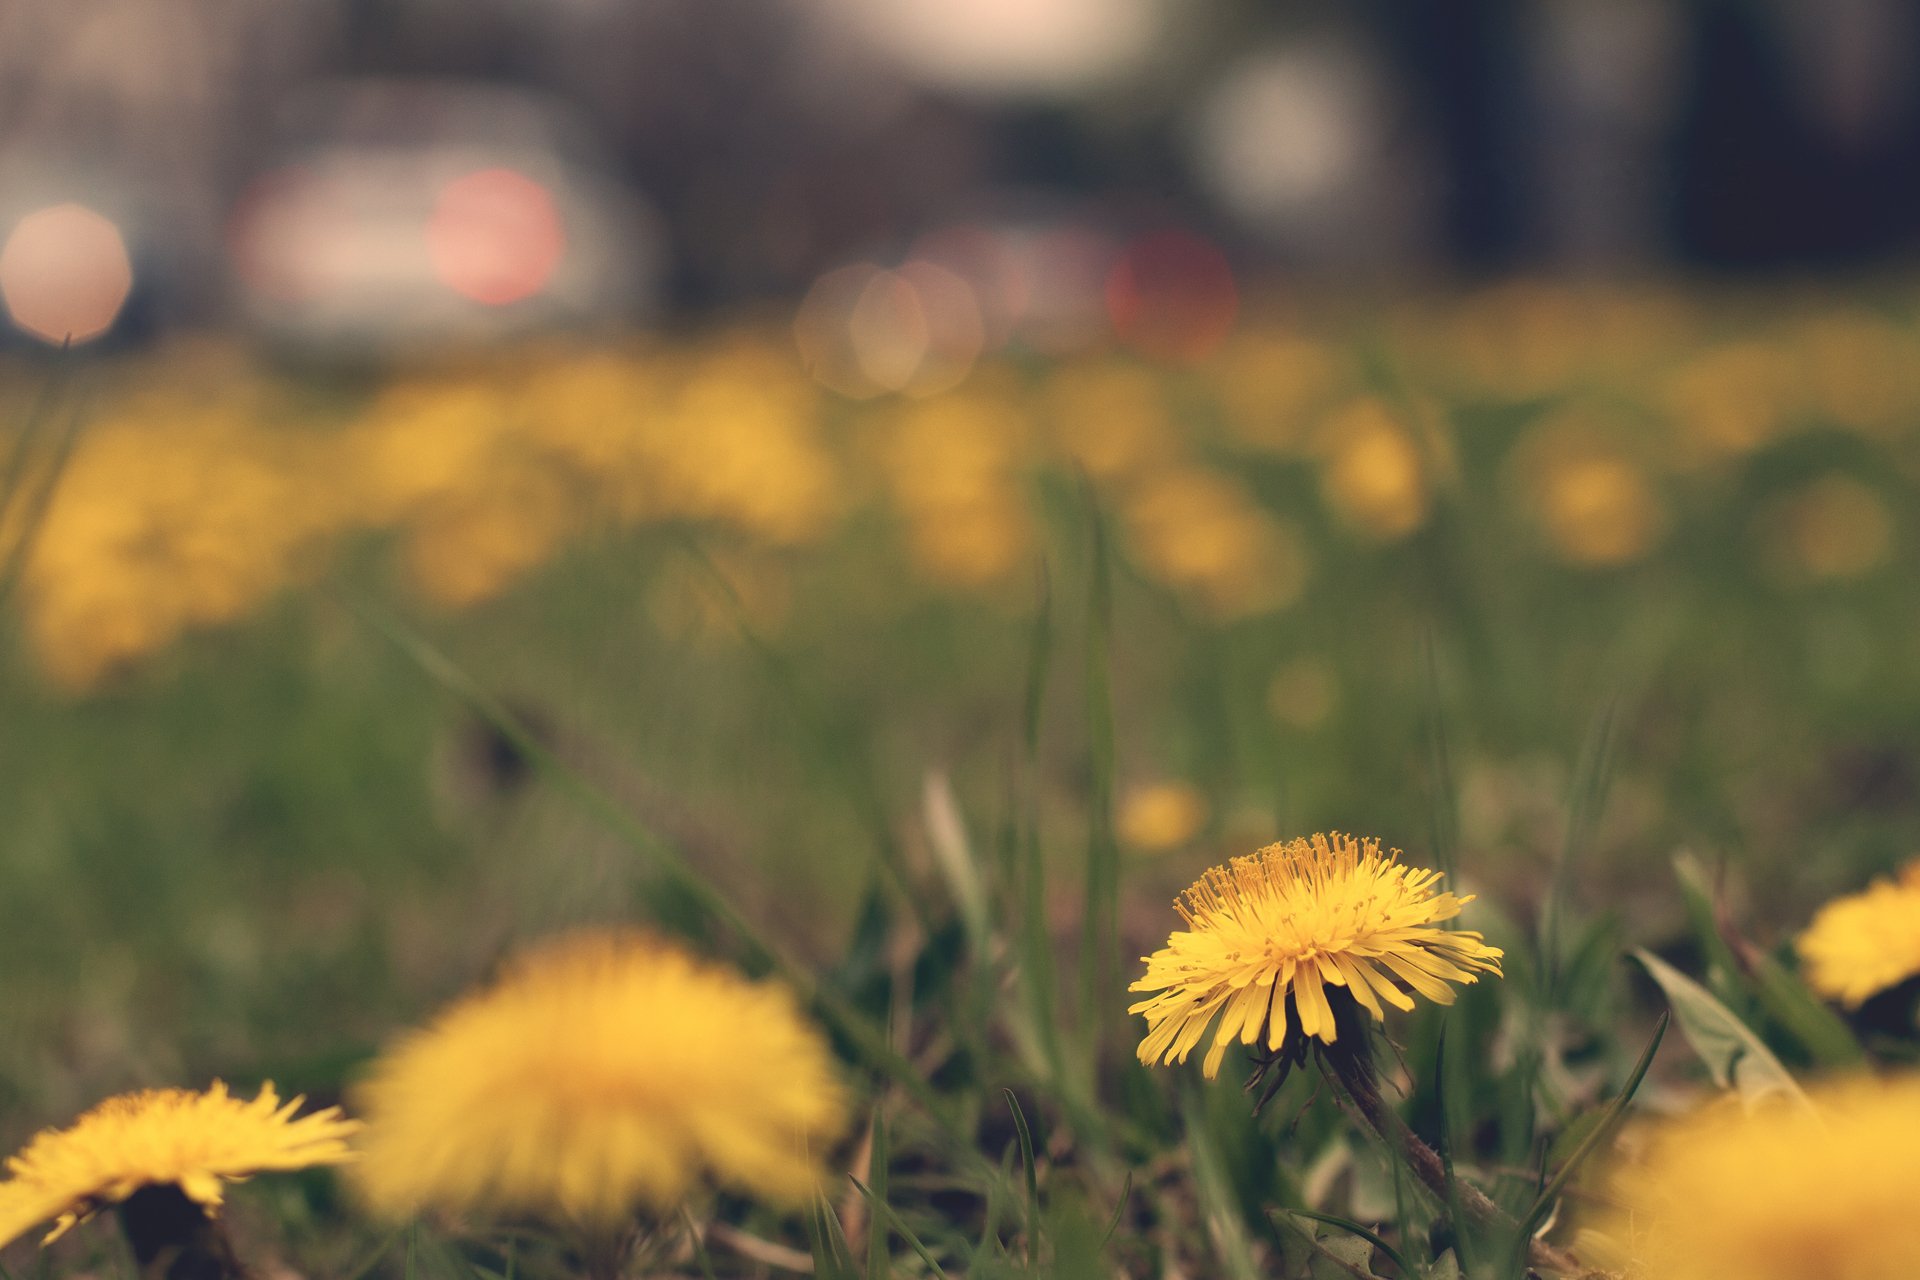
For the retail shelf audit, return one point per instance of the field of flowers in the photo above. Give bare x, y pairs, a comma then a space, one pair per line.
794, 784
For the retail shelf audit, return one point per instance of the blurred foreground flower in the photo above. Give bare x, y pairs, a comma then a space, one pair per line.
1307, 924
1863, 944
605, 1073
1786, 1193
162, 1156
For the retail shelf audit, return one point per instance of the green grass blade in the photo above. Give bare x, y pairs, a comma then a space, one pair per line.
895, 1221
1032, 1175
1444, 810
1610, 1118
1462, 1228
1100, 943
1823, 1033
1219, 1208
695, 1237
1119, 1209
1592, 772
879, 1251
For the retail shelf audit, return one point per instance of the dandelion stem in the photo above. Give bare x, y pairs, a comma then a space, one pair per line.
1349, 1063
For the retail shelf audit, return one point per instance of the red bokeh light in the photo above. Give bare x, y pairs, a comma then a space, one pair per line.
1172, 296
495, 236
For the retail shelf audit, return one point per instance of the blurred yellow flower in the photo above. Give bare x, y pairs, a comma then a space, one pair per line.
197, 1142
1787, 1193
951, 464
467, 548
1111, 419
1598, 510
605, 1072
1161, 816
1834, 528
1200, 533
1271, 387
1729, 400
1304, 923
1373, 476
1866, 942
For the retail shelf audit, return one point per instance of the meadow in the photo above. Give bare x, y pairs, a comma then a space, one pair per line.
329, 689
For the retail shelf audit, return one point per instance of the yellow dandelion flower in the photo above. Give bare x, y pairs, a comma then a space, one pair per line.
1866, 942
1298, 920
1161, 816
162, 1137
1374, 476
605, 1072
1784, 1194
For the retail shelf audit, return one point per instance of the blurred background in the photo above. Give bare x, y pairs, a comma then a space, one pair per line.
1493, 425
336, 174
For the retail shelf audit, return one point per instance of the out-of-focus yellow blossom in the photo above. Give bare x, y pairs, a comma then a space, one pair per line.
1859, 372
1111, 419
605, 1073
1834, 528
1373, 475
1594, 502
158, 527
422, 441
1274, 387
1729, 400
469, 547
1598, 511
1303, 693
197, 1142
1520, 340
1860, 945
740, 443
1786, 1193
592, 411
1161, 816
1199, 533
952, 465
1291, 926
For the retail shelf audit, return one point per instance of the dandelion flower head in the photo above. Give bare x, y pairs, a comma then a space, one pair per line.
159, 1137
1296, 920
603, 1073
1785, 1193
1863, 944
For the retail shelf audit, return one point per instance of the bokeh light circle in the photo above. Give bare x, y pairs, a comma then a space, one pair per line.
65, 273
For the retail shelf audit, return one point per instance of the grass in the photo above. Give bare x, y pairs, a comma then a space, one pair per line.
266, 847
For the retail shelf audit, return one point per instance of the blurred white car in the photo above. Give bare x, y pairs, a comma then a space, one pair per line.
401, 215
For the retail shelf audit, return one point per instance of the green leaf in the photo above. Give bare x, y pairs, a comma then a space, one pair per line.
1734, 1055
1823, 1032
1361, 1235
